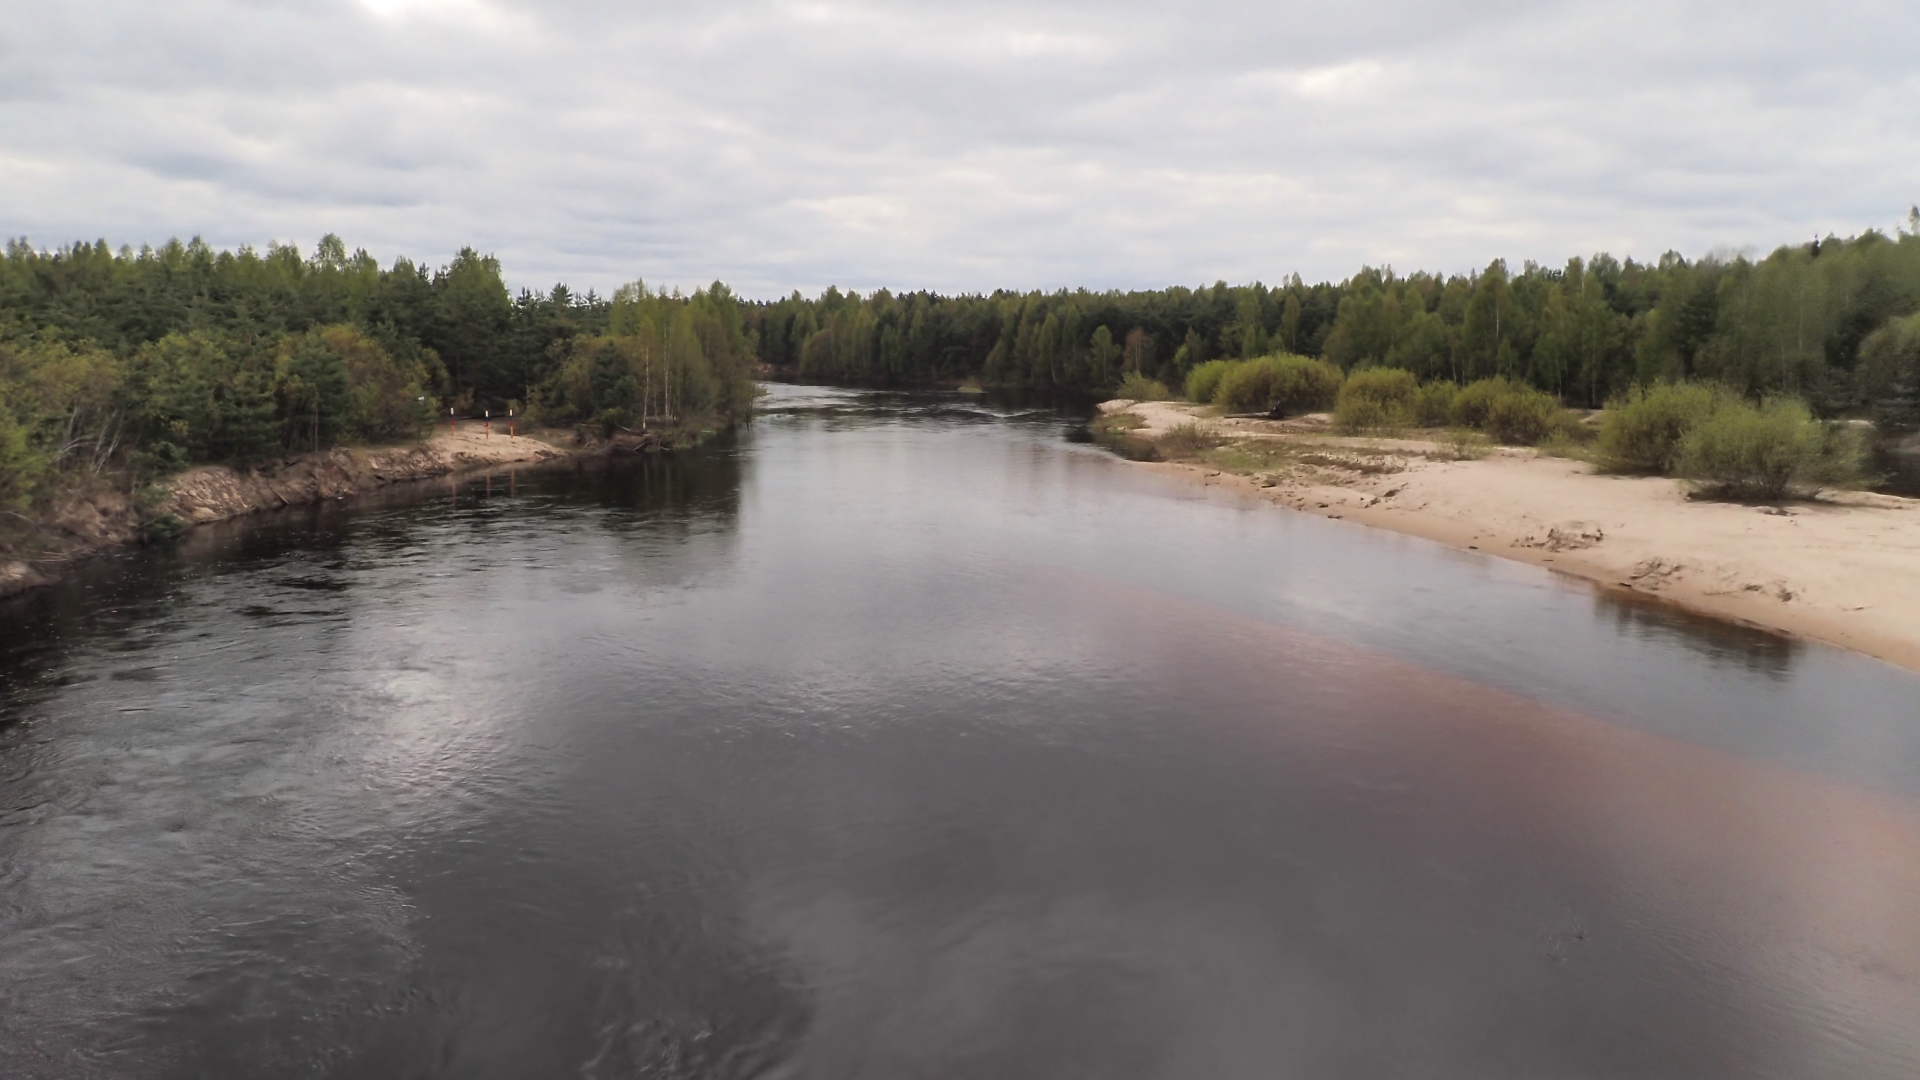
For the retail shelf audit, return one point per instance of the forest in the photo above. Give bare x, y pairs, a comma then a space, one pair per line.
138, 363
1832, 321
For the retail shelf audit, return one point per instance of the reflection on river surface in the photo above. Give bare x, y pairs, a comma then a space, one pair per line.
902, 737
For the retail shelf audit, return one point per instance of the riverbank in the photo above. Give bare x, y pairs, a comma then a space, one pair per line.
82, 523
1844, 569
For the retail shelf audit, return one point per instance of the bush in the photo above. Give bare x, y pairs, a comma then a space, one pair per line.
1204, 380
21, 467
1768, 451
1377, 398
1434, 406
1523, 416
1642, 430
1187, 440
1889, 373
612, 421
1137, 387
1278, 385
1472, 402
1361, 414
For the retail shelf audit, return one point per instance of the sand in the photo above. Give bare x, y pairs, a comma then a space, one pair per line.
472, 446
1843, 569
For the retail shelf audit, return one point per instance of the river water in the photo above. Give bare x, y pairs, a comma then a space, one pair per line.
903, 737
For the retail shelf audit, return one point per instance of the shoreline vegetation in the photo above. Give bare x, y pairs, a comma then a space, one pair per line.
1767, 379
38, 551
129, 379
1837, 566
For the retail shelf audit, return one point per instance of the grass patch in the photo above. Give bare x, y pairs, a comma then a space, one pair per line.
1461, 444
1115, 432
1249, 455
1187, 441
1370, 465
1566, 444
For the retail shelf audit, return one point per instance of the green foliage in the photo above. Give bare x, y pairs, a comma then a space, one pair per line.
1889, 373
668, 360
1642, 429
388, 390
1768, 451
1187, 440
1523, 416
156, 524
1278, 385
1204, 381
1137, 387
612, 421
1474, 401
1434, 407
167, 358
21, 466
316, 407
1374, 398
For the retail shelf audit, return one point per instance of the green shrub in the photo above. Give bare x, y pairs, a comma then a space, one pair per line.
1434, 407
1523, 416
1137, 387
1278, 385
1768, 451
1362, 414
612, 421
1889, 373
1642, 430
1472, 402
21, 467
1204, 380
1845, 453
1377, 398
1187, 440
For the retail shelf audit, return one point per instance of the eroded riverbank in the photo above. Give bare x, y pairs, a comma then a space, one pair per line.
81, 525
1844, 570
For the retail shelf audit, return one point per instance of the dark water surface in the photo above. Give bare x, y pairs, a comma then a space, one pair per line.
902, 738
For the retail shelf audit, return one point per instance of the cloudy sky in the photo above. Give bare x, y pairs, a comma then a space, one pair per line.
959, 146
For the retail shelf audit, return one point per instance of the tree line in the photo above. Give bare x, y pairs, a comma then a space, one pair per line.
148, 361
1822, 320
154, 359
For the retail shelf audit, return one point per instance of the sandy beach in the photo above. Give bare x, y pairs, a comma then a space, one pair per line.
1843, 569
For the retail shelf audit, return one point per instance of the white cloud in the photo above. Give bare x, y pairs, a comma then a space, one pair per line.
780, 145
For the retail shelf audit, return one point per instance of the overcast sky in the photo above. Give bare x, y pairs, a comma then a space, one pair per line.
959, 146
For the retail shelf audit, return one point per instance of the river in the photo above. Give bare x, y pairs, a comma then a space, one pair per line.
901, 736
